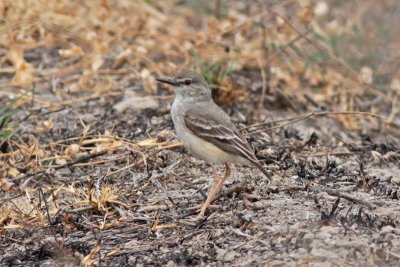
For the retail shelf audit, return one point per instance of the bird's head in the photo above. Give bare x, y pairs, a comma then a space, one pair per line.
188, 84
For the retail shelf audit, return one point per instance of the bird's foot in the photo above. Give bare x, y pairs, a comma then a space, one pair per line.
198, 218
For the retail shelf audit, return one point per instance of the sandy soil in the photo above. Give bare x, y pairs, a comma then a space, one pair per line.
333, 201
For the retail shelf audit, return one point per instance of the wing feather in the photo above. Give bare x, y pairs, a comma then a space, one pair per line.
223, 137
215, 127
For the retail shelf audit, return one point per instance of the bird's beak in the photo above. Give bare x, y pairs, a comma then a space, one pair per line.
170, 81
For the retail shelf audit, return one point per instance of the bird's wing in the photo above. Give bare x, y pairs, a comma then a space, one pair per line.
215, 127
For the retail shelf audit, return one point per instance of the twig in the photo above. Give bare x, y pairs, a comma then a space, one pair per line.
394, 254
4, 200
264, 82
47, 213
240, 233
77, 210
293, 188
342, 194
306, 116
143, 160
68, 164
331, 192
180, 241
289, 44
335, 153
266, 123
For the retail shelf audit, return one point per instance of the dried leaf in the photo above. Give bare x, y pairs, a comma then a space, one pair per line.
72, 150
49, 124
73, 52
89, 260
366, 75
148, 81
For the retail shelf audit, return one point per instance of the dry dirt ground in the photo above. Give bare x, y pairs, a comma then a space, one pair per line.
333, 201
86, 181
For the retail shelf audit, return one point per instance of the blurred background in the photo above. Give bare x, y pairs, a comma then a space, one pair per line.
297, 55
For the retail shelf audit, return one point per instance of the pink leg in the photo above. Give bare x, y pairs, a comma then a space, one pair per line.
218, 183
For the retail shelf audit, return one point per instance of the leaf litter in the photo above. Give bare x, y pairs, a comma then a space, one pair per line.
94, 175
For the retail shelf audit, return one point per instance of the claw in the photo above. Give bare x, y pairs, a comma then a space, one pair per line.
198, 218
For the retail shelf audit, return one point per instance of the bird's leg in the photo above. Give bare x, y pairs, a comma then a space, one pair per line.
211, 195
226, 177
217, 185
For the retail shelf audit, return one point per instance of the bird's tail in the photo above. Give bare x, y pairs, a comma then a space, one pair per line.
266, 174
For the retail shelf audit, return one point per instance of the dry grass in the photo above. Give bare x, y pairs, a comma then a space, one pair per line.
72, 60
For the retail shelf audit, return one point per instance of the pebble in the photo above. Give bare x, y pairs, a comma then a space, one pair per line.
396, 180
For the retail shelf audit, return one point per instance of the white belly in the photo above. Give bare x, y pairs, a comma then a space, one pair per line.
203, 149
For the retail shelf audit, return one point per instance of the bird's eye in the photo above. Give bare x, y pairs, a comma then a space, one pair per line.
188, 82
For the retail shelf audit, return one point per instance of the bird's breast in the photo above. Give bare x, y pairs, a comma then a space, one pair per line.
194, 144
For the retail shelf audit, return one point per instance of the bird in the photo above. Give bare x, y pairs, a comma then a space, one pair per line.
206, 130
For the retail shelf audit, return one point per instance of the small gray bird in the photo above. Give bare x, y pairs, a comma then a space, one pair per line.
206, 130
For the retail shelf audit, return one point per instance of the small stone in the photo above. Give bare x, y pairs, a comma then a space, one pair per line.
321, 252
221, 253
230, 256
218, 233
308, 236
136, 103
396, 180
